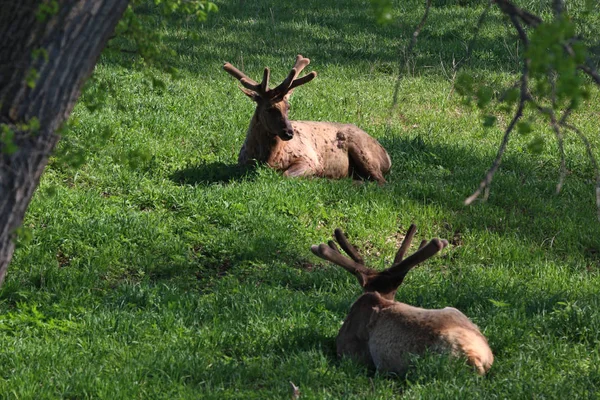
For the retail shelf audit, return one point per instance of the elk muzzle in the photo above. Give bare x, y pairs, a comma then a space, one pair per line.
287, 133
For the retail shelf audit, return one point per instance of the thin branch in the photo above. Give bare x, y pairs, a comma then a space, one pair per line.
476, 32
484, 184
519, 28
566, 114
557, 132
456, 66
590, 153
558, 7
417, 31
526, 17
490, 174
410, 50
587, 68
554, 124
591, 72
561, 151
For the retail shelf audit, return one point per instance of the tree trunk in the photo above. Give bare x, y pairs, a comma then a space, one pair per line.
41, 87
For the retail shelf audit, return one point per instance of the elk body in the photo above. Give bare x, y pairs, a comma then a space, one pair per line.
304, 148
383, 333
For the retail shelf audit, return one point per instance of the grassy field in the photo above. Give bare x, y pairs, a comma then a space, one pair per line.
158, 269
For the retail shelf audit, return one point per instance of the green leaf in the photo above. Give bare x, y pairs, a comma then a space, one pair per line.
536, 145
590, 5
489, 121
524, 127
212, 7
34, 125
7, 140
46, 9
484, 96
511, 96
464, 84
24, 236
32, 77
158, 83
382, 10
499, 303
40, 53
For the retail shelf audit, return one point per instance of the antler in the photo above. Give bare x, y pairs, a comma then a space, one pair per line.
385, 282
262, 89
247, 82
291, 82
331, 253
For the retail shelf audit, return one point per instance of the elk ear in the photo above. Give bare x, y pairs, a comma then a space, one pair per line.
374, 317
250, 93
366, 325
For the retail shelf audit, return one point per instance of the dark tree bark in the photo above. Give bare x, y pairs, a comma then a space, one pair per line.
73, 38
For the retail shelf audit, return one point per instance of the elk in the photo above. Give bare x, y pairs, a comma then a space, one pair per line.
383, 333
304, 148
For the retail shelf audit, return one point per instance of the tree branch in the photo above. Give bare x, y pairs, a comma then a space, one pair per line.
410, 50
592, 157
490, 174
477, 28
524, 97
591, 72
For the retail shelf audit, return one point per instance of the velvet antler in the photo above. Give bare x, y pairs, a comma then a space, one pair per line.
384, 282
262, 89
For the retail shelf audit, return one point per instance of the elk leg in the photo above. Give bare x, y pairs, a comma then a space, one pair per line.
298, 169
365, 166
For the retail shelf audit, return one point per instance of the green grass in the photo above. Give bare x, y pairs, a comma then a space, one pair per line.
160, 270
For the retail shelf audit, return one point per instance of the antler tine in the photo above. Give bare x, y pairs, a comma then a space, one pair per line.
387, 281
301, 63
243, 78
348, 248
333, 246
327, 253
289, 82
410, 233
301, 81
285, 85
264, 85
423, 243
250, 84
426, 251
236, 73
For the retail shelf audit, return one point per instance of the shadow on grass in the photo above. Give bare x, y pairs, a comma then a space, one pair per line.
252, 33
522, 205
307, 338
522, 197
216, 172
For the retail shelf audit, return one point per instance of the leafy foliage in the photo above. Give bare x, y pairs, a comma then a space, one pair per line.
135, 35
138, 36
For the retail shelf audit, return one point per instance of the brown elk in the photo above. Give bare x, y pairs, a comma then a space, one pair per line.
304, 148
383, 333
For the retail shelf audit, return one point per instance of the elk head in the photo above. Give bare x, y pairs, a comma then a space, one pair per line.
379, 287
272, 104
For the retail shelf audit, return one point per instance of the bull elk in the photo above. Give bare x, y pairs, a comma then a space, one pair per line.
381, 332
304, 148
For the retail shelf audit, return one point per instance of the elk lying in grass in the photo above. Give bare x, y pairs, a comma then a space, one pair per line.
381, 332
306, 148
